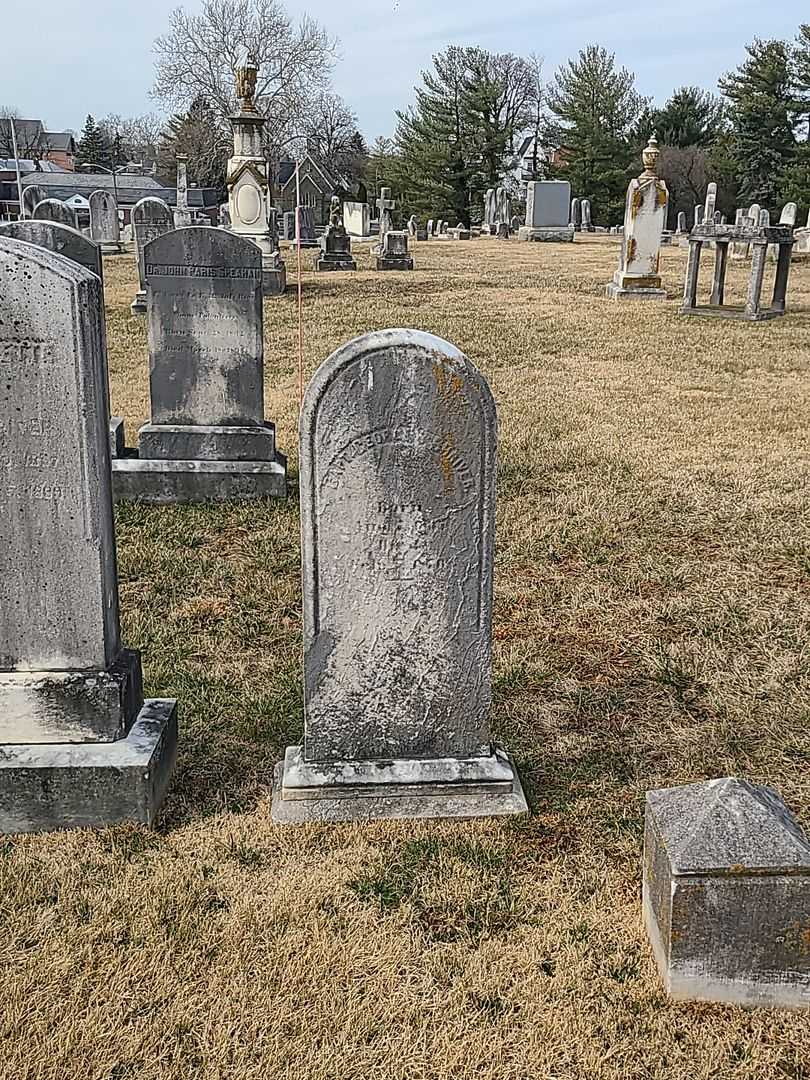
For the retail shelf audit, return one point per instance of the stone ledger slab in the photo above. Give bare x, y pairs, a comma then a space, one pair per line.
726, 894
397, 450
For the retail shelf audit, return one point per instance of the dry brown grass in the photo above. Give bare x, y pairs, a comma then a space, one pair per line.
651, 628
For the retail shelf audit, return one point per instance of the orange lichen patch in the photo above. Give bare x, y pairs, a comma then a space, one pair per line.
446, 459
450, 385
636, 200
631, 249
662, 195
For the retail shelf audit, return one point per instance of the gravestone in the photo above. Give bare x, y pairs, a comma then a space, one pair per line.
394, 253
547, 210
182, 214
726, 894
503, 208
430, 228
105, 228
802, 237
32, 196
55, 210
413, 226
397, 452
356, 219
224, 217
681, 227
645, 214
335, 246
385, 204
698, 219
78, 744
60, 239
587, 224
576, 215
490, 211
151, 217
207, 438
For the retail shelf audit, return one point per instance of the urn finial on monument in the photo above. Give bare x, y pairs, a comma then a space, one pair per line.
650, 155
246, 86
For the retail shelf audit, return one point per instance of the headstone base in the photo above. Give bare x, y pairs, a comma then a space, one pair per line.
274, 280
198, 442
394, 262
163, 482
331, 261
562, 235
618, 292
363, 791
138, 305
90, 785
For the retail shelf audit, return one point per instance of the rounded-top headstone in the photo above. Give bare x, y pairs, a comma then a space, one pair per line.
60, 239
397, 450
55, 210
105, 227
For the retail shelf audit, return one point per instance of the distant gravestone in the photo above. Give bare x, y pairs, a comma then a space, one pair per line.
150, 218
397, 454
207, 438
576, 215
413, 226
547, 210
335, 245
60, 239
182, 214
32, 196
105, 228
356, 219
726, 894
55, 210
698, 219
587, 223
394, 254
681, 227
78, 745
490, 211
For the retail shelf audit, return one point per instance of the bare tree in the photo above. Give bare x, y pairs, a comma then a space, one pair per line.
331, 129
134, 138
199, 56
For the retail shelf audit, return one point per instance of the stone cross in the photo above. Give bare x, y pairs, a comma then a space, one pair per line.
397, 466
385, 204
55, 210
79, 747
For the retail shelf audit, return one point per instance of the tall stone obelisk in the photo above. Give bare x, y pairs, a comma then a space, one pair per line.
248, 186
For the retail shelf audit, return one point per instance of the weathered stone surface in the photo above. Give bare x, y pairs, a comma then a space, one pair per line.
587, 223
397, 455
60, 239
104, 225
55, 210
645, 215
335, 248
394, 254
207, 437
727, 894
356, 219
575, 219
151, 218
32, 196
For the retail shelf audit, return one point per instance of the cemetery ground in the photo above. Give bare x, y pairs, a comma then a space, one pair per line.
651, 629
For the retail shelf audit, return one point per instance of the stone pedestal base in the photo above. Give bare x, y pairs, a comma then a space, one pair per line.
274, 280
161, 482
562, 235
387, 262
90, 785
138, 305
364, 791
335, 262
617, 292
204, 442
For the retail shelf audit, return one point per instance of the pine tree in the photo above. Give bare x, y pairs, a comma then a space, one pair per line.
594, 107
93, 147
198, 134
691, 117
764, 108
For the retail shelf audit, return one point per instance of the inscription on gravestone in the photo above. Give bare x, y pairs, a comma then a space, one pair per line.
398, 434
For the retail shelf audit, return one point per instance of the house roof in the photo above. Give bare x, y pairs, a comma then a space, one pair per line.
31, 134
131, 188
60, 140
524, 146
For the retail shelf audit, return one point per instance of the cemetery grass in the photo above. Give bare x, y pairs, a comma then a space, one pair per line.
651, 629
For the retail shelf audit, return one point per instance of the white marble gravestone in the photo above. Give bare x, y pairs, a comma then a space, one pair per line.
151, 218
645, 216
55, 210
78, 744
105, 229
397, 462
356, 219
207, 438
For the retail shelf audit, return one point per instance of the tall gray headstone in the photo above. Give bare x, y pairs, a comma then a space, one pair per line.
587, 223
207, 438
547, 208
726, 894
104, 225
576, 214
31, 197
150, 218
397, 452
55, 210
78, 746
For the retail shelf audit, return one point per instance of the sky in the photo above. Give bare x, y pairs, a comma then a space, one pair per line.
95, 56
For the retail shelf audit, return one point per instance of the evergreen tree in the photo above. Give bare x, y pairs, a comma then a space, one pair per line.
93, 147
199, 134
691, 117
595, 107
764, 107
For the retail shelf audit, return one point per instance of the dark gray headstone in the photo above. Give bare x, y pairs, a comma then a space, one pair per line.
31, 197
55, 210
727, 894
394, 254
397, 453
60, 239
150, 218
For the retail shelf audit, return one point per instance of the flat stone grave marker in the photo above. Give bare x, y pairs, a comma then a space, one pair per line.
79, 745
207, 437
397, 450
151, 218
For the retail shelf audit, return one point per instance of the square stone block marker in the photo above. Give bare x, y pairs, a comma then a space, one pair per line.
547, 212
397, 445
207, 438
71, 699
726, 894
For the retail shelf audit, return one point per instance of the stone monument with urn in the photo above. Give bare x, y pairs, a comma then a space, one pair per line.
645, 215
248, 187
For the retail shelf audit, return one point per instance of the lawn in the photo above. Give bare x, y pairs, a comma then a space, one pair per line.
651, 628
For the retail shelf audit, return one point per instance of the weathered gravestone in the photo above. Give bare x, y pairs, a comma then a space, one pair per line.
726, 894
385, 204
576, 215
55, 210
335, 246
398, 455
151, 218
207, 438
587, 223
32, 196
78, 744
645, 214
182, 214
105, 228
356, 219
394, 253
547, 208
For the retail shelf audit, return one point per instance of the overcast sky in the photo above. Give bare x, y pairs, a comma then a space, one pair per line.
63, 59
